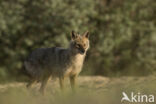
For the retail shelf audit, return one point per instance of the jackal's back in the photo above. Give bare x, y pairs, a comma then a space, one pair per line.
47, 60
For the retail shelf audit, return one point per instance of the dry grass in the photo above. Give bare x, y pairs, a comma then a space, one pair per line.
92, 90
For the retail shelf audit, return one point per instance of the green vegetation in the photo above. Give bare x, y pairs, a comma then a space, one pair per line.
123, 33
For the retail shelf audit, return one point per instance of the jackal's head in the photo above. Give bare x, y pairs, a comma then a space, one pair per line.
79, 42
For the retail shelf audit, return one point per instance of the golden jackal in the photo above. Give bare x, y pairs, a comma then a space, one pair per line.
58, 62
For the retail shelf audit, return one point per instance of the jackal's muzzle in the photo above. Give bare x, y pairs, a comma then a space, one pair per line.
82, 51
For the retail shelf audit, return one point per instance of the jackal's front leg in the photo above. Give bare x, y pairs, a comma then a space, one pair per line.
73, 82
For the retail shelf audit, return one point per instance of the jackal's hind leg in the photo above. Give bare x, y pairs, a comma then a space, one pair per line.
43, 85
30, 83
61, 80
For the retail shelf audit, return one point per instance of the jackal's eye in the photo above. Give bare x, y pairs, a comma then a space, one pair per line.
78, 45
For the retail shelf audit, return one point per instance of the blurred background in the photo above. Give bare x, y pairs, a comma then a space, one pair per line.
122, 33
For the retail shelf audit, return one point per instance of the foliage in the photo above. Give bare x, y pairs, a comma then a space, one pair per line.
122, 37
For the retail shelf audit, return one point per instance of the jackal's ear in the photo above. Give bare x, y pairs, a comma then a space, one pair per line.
73, 35
86, 34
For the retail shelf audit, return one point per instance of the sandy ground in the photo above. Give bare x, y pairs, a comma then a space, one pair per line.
91, 90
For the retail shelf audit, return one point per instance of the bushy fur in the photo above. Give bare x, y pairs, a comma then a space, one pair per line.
58, 62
